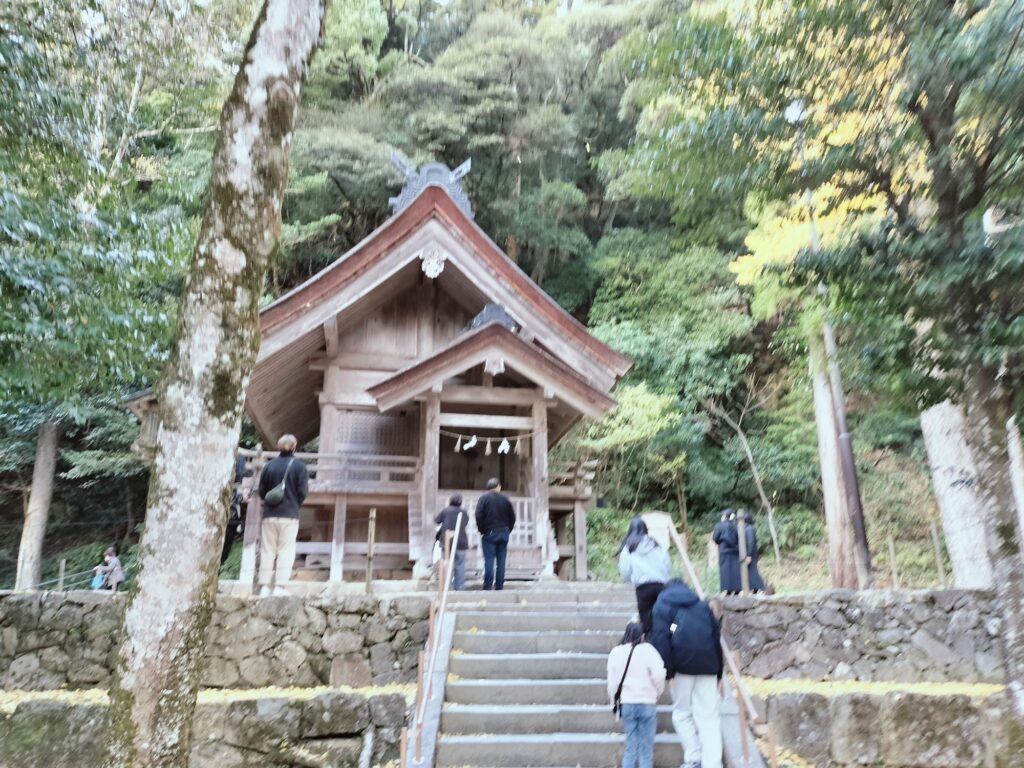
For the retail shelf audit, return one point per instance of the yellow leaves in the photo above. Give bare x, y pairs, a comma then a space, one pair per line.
785, 231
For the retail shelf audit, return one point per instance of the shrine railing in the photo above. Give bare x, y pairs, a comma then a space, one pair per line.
347, 471
525, 534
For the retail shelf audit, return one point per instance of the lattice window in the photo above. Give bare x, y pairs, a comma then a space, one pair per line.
384, 433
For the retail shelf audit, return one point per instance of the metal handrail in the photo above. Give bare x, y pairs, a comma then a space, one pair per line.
424, 693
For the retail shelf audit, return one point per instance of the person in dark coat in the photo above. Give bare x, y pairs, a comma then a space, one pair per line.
447, 518
726, 536
280, 525
495, 519
236, 512
753, 574
686, 633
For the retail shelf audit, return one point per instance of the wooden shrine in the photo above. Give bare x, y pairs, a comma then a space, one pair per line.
420, 364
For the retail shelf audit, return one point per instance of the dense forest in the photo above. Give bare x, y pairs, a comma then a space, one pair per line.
632, 157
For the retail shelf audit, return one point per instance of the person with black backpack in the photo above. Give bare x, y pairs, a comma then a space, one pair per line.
687, 635
636, 678
284, 484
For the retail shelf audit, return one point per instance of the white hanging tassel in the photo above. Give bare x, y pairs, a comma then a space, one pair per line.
470, 443
503, 447
458, 444
519, 446
487, 450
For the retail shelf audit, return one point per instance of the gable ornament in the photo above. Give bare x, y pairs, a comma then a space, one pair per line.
432, 261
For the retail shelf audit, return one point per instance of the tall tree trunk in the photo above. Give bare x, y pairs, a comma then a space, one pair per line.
1016, 450
30, 551
202, 394
954, 479
989, 409
841, 559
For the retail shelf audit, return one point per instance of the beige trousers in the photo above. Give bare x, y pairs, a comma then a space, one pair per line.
277, 550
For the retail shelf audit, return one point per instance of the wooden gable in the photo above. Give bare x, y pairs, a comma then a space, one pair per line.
404, 293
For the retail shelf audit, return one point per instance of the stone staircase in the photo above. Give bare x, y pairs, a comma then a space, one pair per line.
526, 683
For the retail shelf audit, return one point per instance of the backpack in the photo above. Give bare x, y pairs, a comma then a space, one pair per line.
692, 640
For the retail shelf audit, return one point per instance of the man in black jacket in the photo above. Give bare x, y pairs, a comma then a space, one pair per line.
495, 519
280, 525
687, 635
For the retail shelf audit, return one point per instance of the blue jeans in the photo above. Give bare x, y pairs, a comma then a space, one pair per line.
495, 546
459, 570
640, 721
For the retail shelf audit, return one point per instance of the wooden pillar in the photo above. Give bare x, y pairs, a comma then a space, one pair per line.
431, 468
338, 538
251, 538
539, 457
579, 538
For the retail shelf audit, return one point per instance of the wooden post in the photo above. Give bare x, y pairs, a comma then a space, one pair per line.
420, 693
742, 711
403, 745
892, 564
338, 539
539, 457
431, 469
430, 626
937, 549
741, 530
773, 749
370, 541
579, 539
253, 519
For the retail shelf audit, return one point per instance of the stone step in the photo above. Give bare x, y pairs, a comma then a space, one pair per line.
586, 750
592, 641
546, 596
617, 606
520, 718
526, 621
564, 691
535, 666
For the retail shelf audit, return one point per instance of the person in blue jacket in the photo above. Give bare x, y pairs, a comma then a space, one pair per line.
686, 633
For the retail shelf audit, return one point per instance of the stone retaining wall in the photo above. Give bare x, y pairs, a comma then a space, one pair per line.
49, 640
322, 729
895, 730
843, 635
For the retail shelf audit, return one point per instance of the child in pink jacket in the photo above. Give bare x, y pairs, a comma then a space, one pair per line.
636, 678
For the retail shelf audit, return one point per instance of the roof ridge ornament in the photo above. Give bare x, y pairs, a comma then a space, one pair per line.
430, 175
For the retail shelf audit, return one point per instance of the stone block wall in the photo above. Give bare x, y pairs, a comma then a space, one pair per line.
933, 636
897, 730
318, 729
49, 640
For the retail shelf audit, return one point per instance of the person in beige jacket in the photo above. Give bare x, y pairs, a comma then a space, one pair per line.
636, 678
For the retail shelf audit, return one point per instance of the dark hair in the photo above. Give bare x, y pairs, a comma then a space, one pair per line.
729, 514
634, 634
748, 518
637, 532
455, 500
493, 483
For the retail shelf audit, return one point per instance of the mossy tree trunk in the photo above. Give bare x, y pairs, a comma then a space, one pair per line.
30, 551
202, 395
990, 401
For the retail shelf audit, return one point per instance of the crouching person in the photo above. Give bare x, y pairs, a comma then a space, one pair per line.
686, 634
636, 678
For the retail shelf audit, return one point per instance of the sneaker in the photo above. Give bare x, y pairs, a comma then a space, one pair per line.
264, 591
282, 592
